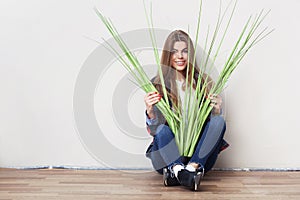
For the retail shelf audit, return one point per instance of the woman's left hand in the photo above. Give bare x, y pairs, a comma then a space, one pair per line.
216, 103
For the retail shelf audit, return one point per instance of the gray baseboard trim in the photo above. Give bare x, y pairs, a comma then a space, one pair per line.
256, 169
105, 168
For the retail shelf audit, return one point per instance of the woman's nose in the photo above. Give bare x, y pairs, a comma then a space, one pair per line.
179, 54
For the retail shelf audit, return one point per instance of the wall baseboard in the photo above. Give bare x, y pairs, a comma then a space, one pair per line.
105, 168
256, 169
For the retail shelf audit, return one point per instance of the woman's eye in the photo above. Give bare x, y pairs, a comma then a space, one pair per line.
185, 51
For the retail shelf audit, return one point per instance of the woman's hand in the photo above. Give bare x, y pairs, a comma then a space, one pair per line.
151, 99
216, 103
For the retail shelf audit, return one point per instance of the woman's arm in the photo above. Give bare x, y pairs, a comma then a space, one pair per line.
153, 115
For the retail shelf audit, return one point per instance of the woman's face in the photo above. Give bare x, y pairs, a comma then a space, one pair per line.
179, 55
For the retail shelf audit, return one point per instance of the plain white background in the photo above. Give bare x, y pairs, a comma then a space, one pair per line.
45, 43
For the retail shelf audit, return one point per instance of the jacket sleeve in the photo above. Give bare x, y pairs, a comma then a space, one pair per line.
152, 124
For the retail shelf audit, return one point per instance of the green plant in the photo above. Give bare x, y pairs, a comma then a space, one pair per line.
197, 108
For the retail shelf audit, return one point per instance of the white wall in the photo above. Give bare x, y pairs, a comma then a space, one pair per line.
45, 44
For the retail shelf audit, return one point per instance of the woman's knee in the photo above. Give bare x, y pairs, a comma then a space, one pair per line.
218, 121
164, 132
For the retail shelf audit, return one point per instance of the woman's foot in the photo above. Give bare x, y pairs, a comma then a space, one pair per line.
170, 175
194, 165
169, 178
198, 178
191, 179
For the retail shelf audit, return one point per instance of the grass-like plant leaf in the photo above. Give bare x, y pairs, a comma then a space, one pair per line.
187, 122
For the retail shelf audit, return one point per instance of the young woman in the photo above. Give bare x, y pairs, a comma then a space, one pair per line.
177, 56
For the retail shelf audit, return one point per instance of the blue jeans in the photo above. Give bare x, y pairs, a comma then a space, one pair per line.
164, 152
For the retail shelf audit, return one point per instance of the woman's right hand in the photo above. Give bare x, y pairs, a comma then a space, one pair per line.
151, 99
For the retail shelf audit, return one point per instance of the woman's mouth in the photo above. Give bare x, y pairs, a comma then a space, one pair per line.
180, 63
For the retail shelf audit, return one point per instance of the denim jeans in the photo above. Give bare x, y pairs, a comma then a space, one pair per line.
164, 152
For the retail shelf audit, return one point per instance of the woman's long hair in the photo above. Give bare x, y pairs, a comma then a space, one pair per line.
169, 73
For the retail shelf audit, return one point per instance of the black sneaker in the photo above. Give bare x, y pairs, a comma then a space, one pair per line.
191, 179
169, 178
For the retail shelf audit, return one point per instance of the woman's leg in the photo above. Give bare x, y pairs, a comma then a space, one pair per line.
211, 160
164, 151
209, 142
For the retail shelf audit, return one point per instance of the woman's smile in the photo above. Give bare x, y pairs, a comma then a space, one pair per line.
180, 63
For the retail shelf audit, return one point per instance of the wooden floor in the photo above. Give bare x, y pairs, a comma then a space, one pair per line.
138, 184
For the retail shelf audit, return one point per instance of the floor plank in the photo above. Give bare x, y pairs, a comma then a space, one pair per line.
140, 184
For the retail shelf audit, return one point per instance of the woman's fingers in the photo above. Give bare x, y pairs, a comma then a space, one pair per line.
154, 101
215, 100
213, 96
152, 98
151, 93
212, 104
